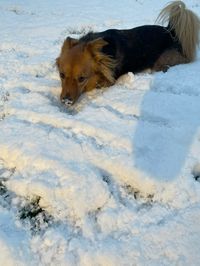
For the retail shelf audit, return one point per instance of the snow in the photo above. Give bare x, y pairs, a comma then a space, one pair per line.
116, 175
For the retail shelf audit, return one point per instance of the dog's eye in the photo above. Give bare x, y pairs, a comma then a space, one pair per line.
81, 79
62, 75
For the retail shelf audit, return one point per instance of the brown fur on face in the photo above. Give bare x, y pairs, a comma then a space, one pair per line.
83, 67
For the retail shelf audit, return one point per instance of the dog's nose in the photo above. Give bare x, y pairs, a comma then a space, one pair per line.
67, 100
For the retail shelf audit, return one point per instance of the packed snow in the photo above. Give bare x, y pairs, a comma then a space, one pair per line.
112, 180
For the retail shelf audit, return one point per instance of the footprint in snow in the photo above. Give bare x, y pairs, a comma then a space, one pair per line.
196, 172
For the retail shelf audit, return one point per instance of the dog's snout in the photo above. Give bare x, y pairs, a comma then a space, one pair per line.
67, 99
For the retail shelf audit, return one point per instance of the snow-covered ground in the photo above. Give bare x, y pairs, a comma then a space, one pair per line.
112, 180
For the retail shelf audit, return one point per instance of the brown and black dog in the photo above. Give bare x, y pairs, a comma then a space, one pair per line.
98, 59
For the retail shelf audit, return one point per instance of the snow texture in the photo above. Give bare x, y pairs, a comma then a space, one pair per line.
112, 180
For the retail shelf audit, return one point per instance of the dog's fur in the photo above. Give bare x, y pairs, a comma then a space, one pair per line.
98, 59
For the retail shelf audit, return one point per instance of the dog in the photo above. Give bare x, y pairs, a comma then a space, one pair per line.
97, 59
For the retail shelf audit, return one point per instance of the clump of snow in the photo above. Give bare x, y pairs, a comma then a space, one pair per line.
115, 174
196, 171
126, 80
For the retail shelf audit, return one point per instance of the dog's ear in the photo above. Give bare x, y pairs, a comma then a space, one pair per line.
69, 43
105, 64
95, 46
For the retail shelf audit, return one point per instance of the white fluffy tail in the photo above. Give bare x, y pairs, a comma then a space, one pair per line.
186, 25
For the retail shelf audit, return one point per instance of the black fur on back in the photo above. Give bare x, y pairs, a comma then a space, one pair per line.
135, 49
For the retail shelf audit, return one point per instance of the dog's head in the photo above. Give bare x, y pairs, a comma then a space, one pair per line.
83, 67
